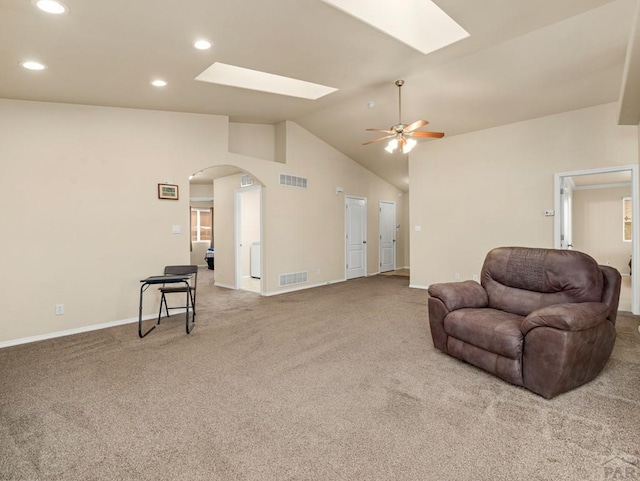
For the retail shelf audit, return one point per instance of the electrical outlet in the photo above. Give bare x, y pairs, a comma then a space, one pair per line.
59, 309
475, 277
456, 277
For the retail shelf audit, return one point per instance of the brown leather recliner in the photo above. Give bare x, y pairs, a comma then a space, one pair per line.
541, 318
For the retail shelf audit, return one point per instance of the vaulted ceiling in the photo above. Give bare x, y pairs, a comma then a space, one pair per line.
522, 60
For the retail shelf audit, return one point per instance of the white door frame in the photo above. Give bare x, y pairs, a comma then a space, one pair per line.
395, 220
566, 212
238, 235
346, 249
635, 228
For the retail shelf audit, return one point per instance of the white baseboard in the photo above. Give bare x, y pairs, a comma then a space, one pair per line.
80, 330
335, 281
418, 286
71, 332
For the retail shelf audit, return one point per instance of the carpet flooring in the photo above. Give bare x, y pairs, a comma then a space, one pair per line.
398, 272
333, 383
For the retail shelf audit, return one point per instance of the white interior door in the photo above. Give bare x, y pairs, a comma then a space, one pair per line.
387, 223
356, 236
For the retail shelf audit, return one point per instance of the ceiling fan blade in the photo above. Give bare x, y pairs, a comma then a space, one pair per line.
381, 130
416, 125
378, 140
436, 135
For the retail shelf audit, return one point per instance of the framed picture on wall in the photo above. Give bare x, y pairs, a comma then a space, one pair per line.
168, 191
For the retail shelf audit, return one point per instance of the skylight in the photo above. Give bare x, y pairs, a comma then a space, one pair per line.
421, 24
223, 74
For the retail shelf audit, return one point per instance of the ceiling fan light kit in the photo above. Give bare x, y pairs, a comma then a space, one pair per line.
400, 134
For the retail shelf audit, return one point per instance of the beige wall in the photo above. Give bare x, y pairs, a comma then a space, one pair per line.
249, 225
201, 192
81, 218
253, 140
473, 192
597, 226
223, 226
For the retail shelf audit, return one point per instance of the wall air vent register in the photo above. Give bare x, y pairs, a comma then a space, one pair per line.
293, 278
293, 181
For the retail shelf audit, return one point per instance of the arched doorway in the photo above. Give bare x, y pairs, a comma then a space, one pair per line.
235, 198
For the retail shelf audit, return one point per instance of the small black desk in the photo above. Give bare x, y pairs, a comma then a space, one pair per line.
167, 279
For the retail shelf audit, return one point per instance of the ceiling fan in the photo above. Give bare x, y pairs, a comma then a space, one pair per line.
400, 134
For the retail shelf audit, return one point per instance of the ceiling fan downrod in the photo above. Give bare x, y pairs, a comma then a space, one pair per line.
399, 83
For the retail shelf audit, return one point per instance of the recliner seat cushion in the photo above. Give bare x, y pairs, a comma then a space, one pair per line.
489, 329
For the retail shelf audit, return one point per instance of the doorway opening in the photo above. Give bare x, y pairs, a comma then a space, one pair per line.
235, 222
248, 215
589, 206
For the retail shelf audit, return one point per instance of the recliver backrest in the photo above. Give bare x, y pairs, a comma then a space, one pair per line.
520, 280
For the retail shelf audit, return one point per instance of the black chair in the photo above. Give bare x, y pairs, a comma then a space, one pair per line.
180, 289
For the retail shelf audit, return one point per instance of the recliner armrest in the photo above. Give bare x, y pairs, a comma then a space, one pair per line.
458, 295
567, 317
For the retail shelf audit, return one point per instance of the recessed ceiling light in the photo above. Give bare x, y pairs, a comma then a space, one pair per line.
51, 6
31, 65
202, 45
159, 83
223, 74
